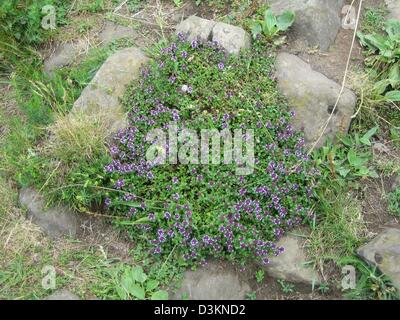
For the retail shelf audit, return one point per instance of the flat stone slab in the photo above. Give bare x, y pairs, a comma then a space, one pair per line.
66, 53
313, 96
384, 252
103, 93
112, 31
291, 264
317, 21
63, 294
231, 38
196, 28
212, 282
55, 222
394, 9
63, 56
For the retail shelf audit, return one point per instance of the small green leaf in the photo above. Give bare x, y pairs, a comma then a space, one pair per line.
160, 295
362, 171
365, 139
394, 75
393, 95
343, 172
256, 29
373, 174
138, 275
347, 141
151, 285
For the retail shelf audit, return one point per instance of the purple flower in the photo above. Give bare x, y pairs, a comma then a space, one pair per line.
176, 196
167, 215
181, 37
157, 250
184, 54
221, 66
119, 184
194, 242
171, 233
107, 202
171, 79
194, 44
114, 150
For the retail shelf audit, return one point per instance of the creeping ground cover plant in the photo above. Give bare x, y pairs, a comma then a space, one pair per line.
198, 208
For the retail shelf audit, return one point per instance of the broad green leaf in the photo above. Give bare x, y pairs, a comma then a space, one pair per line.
122, 293
138, 275
393, 29
269, 22
365, 139
151, 285
376, 41
285, 20
127, 282
393, 95
137, 291
389, 54
354, 159
380, 86
160, 295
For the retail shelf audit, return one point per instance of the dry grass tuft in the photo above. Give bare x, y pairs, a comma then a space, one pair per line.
340, 231
78, 137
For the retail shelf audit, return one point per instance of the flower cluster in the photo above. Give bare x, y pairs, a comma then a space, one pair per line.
209, 210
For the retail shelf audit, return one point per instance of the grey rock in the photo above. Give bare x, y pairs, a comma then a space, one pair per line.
394, 183
63, 294
63, 56
394, 9
67, 52
313, 96
55, 222
212, 282
317, 21
112, 31
231, 38
291, 265
384, 252
108, 86
195, 28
